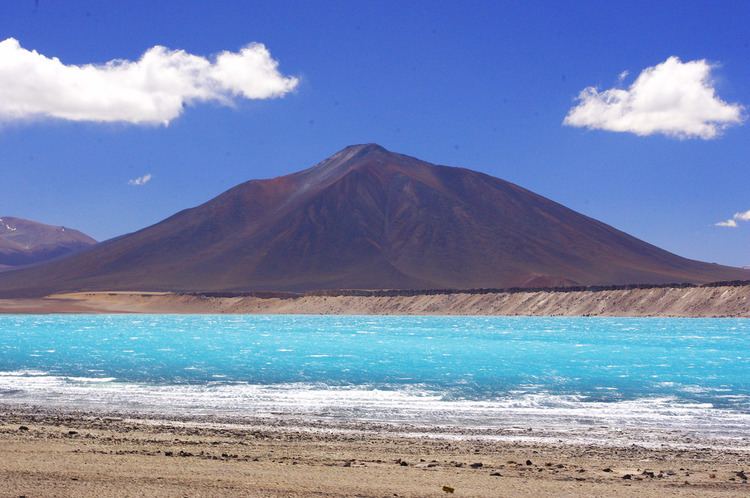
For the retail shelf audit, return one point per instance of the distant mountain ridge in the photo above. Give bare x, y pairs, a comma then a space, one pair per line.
25, 242
368, 218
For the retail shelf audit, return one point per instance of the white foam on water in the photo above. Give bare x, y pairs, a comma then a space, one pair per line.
23, 373
518, 415
90, 379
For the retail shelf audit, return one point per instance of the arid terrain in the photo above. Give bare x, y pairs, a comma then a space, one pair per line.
89, 454
367, 218
712, 301
25, 242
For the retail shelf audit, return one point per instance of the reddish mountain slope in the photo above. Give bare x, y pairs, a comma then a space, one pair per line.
368, 218
25, 242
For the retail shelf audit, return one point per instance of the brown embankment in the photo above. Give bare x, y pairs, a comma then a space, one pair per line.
726, 300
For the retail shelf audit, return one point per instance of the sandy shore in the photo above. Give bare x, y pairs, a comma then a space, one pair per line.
724, 301
47, 453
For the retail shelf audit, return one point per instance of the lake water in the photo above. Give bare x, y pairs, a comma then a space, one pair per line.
605, 378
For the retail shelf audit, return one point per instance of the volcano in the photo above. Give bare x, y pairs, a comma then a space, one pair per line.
368, 218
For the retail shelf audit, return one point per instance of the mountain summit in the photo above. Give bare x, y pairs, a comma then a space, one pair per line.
25, 242
367, 218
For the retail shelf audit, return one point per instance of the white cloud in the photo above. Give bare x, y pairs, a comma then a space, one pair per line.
152, 90
732, 222
673, 98
141, 180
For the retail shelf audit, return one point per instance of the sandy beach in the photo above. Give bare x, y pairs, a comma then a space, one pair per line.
52, 453
713, 301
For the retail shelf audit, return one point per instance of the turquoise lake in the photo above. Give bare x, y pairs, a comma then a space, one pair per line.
477, 372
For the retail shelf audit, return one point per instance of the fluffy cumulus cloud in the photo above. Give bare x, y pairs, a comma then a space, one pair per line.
152, 90
732, 222
141, 180
673, 98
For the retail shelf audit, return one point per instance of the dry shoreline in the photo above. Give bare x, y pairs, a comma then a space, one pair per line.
47, 452
714, 301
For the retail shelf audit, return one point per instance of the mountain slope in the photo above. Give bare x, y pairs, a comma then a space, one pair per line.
368, 218
26, 242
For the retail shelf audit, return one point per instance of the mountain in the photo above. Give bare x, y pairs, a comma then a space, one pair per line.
26, 242
368, 218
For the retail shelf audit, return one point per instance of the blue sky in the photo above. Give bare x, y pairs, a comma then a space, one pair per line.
484, 85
